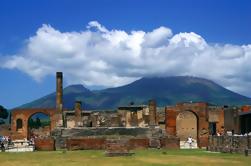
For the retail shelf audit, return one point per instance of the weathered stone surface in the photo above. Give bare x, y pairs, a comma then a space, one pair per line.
24, 115
85, 143
186, 125
154, 143
59, 91
78, 118
201, 119
170, 142
229, 144
91, 138
138, 143
47, 144
105, 131
117, 147
152, 113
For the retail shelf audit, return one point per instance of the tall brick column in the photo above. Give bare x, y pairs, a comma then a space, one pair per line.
59, 99
59, 91
152, 113
78, 109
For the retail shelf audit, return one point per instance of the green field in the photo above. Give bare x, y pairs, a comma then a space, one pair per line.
141, 157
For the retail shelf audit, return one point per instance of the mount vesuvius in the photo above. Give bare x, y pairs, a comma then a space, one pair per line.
165, 90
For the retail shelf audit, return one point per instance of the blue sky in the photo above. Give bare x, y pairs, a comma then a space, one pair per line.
217, 22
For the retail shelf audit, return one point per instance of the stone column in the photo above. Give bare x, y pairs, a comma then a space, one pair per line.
59, 91
152, 113
78, 110
59, 100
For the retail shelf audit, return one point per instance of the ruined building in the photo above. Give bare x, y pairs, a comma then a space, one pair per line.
141, 125
83, 129
198, 120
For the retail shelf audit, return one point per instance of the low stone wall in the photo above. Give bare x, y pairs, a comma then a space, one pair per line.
106, 131
100, 143
47, 144
85, 143
229, 144
116, 147
138, 143
170, 143
133, 143
95, 138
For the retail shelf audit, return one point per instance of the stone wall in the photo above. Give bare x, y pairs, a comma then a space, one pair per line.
85, 143
132, 143
105, 131
229, 144
138, 143
47, 144
231, 119
170, 143
100, 143
186, 125
95, 138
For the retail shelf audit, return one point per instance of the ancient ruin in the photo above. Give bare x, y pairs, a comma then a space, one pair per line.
140, 126
198, 120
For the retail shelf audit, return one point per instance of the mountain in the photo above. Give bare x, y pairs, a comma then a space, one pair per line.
71, 94
165, 90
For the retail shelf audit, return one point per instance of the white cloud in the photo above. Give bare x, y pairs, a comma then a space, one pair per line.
102, 57
97, 25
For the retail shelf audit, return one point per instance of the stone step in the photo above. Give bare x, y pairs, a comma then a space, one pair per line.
186, 145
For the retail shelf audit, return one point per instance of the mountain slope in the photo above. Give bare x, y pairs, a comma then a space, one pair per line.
70, 95
166, 90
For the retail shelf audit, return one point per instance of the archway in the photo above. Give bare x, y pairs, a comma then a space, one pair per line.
39, 125
187, 125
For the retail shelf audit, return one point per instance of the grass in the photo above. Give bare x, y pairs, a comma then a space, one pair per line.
141, 158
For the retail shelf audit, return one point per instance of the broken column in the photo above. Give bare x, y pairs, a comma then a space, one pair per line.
59, 92
152, 113
59, 99
78, 116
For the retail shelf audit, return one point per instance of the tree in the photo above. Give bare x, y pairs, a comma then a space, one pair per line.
31, 123
38, 123
3, 112
1, 122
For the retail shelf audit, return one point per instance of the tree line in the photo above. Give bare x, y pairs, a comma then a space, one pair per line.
4, 113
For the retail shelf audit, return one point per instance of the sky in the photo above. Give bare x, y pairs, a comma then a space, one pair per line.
105, 43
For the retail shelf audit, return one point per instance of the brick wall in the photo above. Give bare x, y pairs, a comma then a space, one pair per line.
85, 143
170, 143
201, 111
45, 144
24, 115
138, 143
99, 143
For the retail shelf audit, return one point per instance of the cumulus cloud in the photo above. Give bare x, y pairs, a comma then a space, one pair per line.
102, 57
